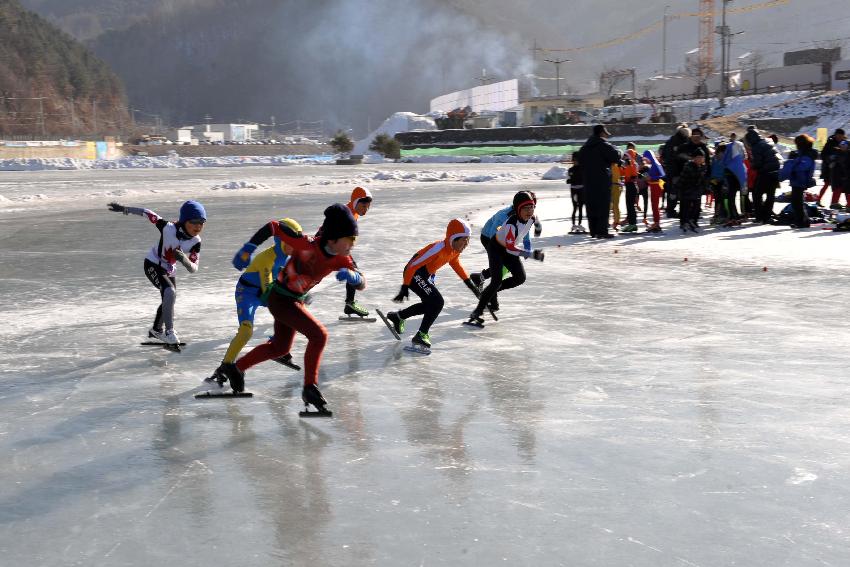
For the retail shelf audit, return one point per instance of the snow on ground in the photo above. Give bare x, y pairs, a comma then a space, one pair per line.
831, 109
628, 408
147, 162
234, 185
398, 122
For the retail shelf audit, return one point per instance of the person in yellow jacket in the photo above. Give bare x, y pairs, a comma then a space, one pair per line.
253, 283
419, 275
616, 191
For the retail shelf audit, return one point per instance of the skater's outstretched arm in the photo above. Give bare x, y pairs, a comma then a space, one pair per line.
286, 233
139, 211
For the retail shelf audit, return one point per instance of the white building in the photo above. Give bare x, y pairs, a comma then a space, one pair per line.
225, 132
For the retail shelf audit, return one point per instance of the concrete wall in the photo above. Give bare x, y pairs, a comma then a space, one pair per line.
78, 150
529, 135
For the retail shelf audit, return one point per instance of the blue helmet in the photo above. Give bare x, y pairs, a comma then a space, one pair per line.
192, 210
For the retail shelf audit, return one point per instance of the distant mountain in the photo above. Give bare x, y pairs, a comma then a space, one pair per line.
49, 82
87, 19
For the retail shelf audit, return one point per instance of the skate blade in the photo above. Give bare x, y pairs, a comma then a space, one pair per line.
356, 319
317, 413
290, 364
157, 343
388, 324
418, 350
474, 324
231, 394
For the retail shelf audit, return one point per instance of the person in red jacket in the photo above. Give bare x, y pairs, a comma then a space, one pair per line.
419, 275
312, 259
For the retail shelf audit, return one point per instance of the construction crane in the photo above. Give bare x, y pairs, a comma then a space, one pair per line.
706, 39
706, 15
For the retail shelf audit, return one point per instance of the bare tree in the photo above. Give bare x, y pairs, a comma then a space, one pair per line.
756, 64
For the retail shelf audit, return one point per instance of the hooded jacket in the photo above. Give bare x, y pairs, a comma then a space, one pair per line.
799, 170
596, 157
656, 171
765, 158
356, 195
439, 253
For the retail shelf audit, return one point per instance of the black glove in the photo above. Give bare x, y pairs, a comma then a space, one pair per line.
538, 228
402, 294
473, 287
115, 207
538, 255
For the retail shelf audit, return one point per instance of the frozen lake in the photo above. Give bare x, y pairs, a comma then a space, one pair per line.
628, 408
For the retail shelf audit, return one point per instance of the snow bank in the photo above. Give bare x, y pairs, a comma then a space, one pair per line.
398, 122
233, 185
831, 109
147, 162
555, 172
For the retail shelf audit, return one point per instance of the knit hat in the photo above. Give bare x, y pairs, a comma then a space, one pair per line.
523, 198
600, 130
339, 223
192, 210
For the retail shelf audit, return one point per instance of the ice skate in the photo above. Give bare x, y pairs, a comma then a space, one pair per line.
655, 229
218, 378
629, 228
393, 322
420, 344
475, 319
312, 396
353, 311
493, 305
286, 360
236, 377
156, 334
693, 227
215, 383
577, 229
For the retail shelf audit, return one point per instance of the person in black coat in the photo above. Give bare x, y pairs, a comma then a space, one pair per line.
673, 161
596, 157
767, 162
826, 154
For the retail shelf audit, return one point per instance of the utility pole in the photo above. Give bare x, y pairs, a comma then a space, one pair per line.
557, 63
94, 114
723, 30
41, 114
664, 43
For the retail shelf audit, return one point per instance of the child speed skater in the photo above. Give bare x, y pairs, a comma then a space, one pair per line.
502, 252
250, 288
488, 232
312, 259
361, 200
178, 242
419, 275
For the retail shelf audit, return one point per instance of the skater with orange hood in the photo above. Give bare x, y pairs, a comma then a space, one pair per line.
419, 275
361, 200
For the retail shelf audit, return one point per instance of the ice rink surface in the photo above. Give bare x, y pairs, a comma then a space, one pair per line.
628, 408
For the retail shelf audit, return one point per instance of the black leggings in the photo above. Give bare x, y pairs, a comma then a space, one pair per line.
500, 258
631, 199
431, 304
167, 286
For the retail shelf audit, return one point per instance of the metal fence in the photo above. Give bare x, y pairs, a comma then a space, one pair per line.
770, 89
